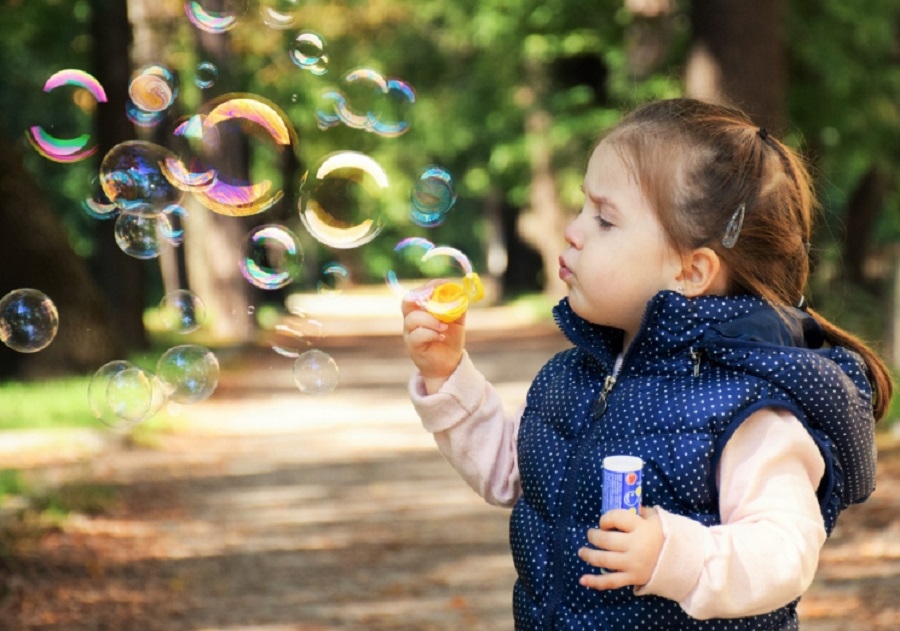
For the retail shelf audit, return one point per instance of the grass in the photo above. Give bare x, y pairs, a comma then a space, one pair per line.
53, 403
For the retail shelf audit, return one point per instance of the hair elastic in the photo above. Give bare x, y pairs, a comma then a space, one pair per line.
763, 133
733, 229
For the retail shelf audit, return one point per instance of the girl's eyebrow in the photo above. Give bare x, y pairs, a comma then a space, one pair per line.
600, 200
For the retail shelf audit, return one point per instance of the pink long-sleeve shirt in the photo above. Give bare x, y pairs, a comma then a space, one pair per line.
762, 556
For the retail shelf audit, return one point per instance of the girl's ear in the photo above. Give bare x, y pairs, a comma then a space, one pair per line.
702, 273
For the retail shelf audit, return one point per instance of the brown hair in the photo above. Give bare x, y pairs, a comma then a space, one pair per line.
697, 163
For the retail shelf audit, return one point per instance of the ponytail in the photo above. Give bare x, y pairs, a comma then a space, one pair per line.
878, 374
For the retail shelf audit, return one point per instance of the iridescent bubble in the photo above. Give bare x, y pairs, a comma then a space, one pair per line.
431, 197
189, 373
182, 311
28, 320
172, 229
308, 52
97, 204
296, 334
153, 88
141, 235
279, 14
205, 75
215, 17
334, 278
316, 372
271, 257
406, 271
120, 394
363, 89
67, 149
390, 116
341, 201
131, 177
248, 115
328, 116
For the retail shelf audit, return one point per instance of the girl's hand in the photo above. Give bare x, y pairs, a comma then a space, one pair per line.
434, 347
629, 546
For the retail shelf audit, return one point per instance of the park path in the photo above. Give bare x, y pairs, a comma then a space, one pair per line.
274, 511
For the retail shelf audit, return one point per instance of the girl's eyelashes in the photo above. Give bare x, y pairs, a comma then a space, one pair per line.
603, 223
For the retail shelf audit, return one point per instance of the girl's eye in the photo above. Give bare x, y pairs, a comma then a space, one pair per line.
604, 224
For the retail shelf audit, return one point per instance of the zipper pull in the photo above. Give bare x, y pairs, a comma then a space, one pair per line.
600, 403
695, 357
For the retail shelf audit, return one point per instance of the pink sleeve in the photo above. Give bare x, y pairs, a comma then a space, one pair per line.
765, 553
472, 431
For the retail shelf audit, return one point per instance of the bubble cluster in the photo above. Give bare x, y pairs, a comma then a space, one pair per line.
341, 199
315, 372
370, 102
189, 373
28, 320
121, 394
271, 257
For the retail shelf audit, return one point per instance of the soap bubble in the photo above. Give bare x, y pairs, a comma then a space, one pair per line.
68, 149
334, 278
296, 334
391, 113
28, 320
315, 372
406, 270
186, 166
153, 88
143, 118
341, 199
271, 256
279, 14
270, 134
189, 373
205, 75
141, 235
131, 177
308, 52
431, 197
368, 101
182, 311
120, 394
97, 204
224, 17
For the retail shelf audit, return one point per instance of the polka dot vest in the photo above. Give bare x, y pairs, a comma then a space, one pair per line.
694, 372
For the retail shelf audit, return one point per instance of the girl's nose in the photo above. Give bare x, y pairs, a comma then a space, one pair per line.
571, 234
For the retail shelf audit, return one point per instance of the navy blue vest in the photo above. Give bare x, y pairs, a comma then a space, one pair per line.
696, 369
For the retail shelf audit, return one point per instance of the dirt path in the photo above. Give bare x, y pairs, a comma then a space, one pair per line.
289, 513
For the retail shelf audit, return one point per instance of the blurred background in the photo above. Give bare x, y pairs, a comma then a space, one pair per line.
266, 165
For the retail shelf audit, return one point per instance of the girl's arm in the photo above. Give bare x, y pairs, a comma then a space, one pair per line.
765, 553
472, 431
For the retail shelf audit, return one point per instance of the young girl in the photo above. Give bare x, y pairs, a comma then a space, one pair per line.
694, 350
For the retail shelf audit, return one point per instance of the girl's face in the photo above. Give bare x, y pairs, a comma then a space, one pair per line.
618, 256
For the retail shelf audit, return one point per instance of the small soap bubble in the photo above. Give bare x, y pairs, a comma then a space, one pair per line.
28, 320
431, 198
308, 52
334, 278
189, 373
390, 118
182, 311
97, 204
279, 14
131, 177
341, 199
271, 256
141, 235
153, 88
316, 372
296, 334
205, 75
406, 265
215, 17
67, 150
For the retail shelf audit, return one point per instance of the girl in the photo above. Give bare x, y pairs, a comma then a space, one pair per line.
693, 349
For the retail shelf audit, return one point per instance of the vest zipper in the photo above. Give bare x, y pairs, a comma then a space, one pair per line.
600, 403
696, 356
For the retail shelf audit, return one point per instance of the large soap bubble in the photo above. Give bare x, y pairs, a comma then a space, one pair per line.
28, 320
132, 179
341, 201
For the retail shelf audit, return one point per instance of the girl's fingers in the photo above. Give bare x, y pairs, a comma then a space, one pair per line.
608, 539
420, 336
610, 580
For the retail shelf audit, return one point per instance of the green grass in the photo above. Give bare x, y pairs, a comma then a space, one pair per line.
47, 404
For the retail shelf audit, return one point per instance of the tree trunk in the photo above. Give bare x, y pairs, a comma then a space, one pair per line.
121, 278
860, 215
35, 253
738, 55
